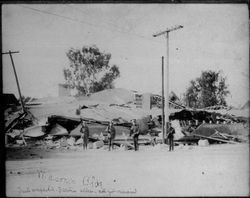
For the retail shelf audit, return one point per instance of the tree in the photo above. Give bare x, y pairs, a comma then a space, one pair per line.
208, 90
192, 94
89, 70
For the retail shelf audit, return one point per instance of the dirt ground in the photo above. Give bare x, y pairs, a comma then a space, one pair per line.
215, 170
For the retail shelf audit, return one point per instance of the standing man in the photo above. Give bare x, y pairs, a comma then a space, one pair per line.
111, 134
151, 125
134, 132
170, 136
85, 134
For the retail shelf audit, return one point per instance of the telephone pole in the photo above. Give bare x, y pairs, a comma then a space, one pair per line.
162, 98
166, 106
13, 65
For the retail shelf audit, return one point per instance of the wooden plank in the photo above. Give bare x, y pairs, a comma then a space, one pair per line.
217, 139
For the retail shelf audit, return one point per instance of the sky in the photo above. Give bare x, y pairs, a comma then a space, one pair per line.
214, 37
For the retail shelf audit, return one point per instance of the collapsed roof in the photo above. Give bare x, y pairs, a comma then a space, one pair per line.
220, 133
63, 114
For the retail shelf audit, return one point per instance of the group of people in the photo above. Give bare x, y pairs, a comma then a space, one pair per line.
84, 130
134, 133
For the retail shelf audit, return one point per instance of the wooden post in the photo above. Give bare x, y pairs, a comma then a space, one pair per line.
18, 86
163, 102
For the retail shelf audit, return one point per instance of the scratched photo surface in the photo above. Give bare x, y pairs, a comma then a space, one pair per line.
41, 46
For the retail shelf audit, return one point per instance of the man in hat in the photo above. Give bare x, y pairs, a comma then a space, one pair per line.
111, 135
134, 132
85, 134
170, 136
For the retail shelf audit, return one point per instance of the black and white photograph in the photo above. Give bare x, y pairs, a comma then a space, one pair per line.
125, 99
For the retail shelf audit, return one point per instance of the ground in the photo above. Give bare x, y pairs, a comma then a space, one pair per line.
215, 170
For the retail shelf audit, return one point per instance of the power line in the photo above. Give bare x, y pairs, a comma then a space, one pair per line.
81, 11
118, 28
84, 22
109, 23
50, 13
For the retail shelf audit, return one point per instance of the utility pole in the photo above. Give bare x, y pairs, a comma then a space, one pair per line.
13, 65
162, 99
166, 32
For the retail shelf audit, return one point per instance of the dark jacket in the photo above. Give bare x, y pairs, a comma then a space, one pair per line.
85, 131
170, 133
111, 131
134, 131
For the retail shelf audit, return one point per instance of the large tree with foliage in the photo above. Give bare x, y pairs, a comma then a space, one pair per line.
208, 90
89, 70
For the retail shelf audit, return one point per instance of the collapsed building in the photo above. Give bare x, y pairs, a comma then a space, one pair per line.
57, 120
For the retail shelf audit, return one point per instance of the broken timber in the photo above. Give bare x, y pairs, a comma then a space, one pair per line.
217, 139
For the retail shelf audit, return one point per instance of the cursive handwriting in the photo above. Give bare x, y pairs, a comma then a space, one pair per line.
108, 191
91, 181
70, 189
38, 189
67, 189
88, 185
46, 189
65, 180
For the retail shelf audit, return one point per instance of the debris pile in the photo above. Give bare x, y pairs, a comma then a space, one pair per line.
204, 116
55, 123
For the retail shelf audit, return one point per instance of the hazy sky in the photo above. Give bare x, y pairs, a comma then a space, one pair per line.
214, 37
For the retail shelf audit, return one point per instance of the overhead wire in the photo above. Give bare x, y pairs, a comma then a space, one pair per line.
84, 22
81, 11
109, 23
90, 24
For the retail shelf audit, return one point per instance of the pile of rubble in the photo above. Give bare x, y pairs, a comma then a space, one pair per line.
198, 126
64, 132
60, 131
